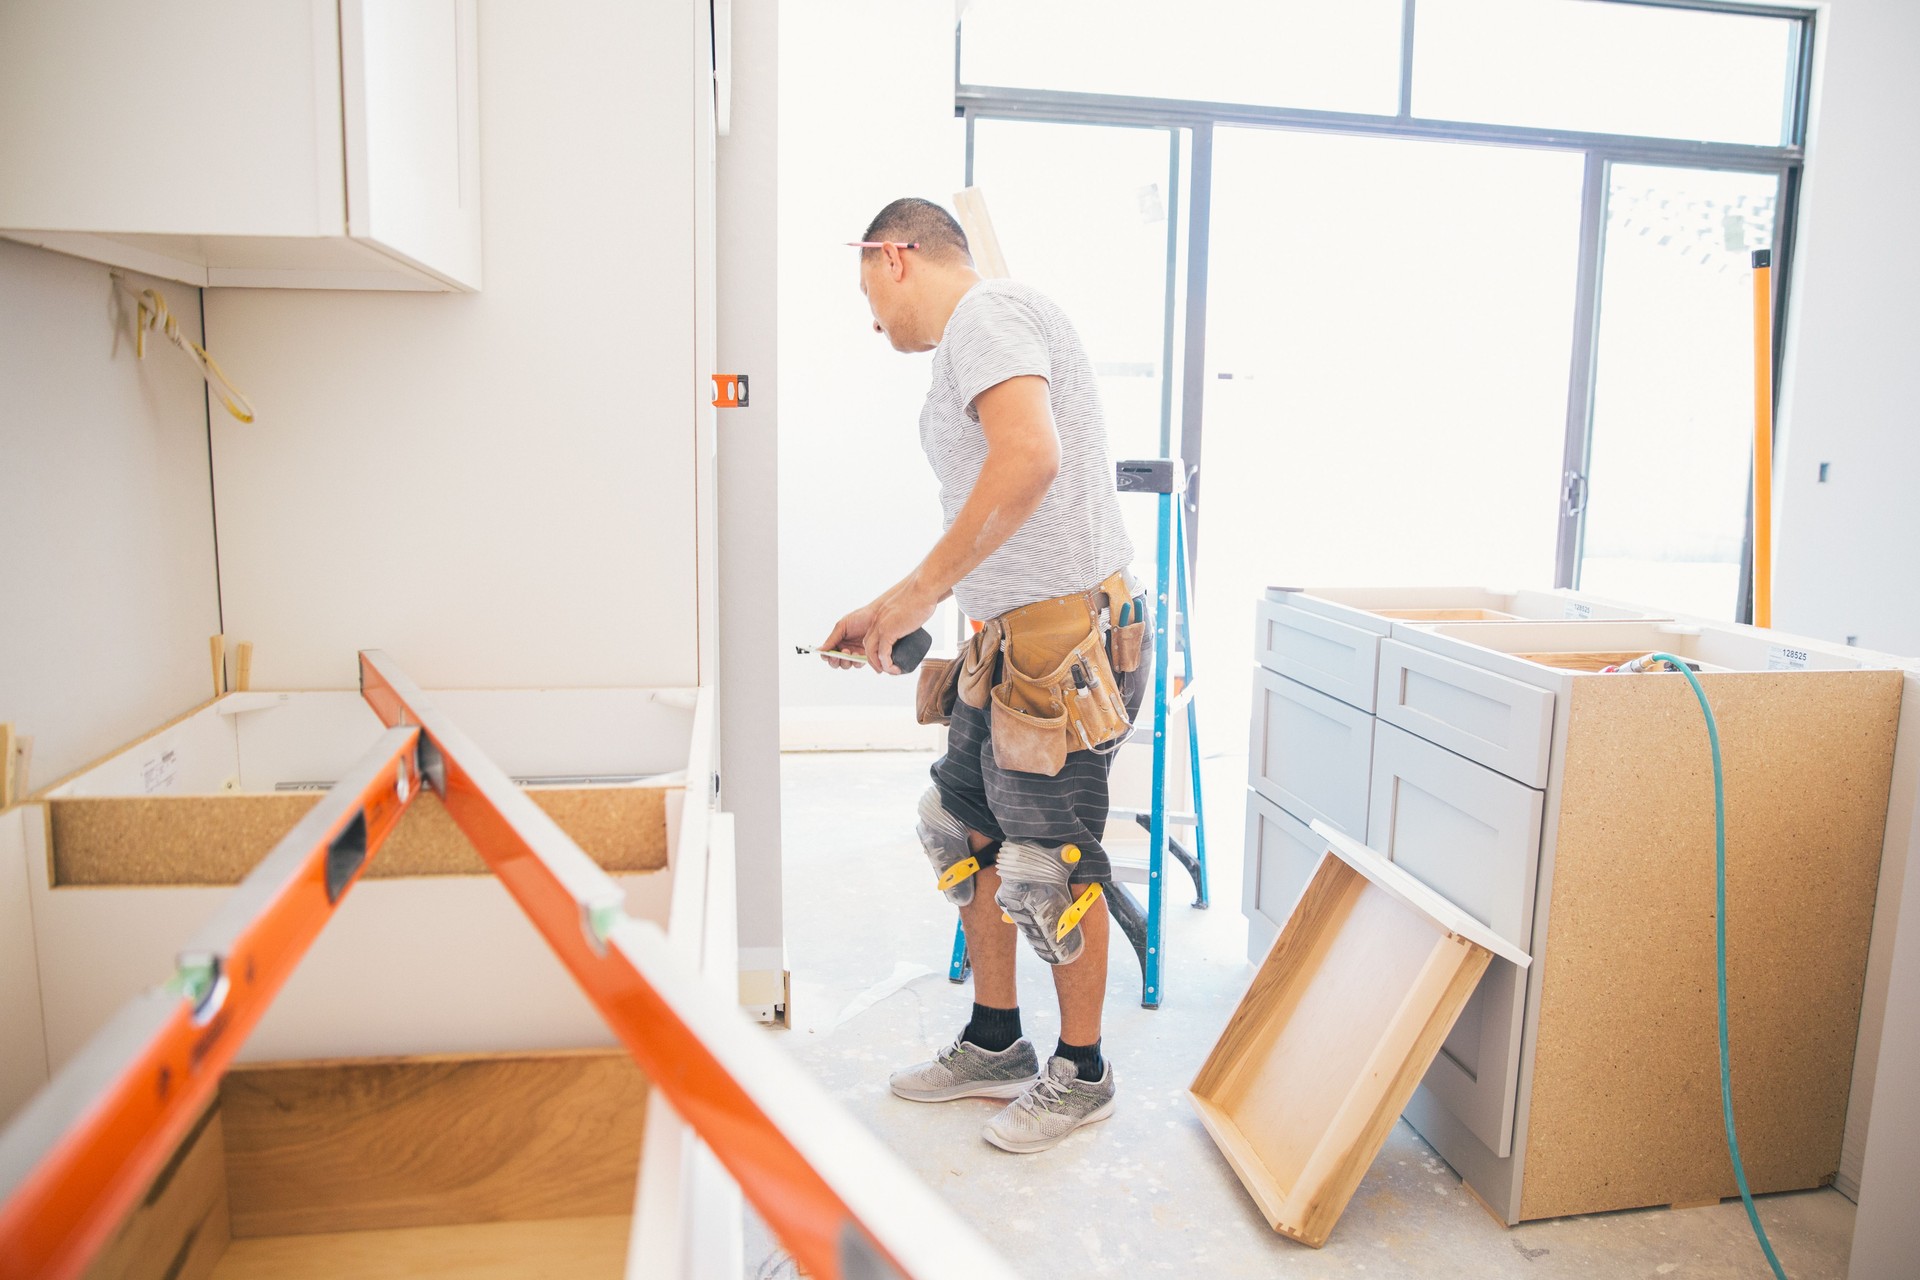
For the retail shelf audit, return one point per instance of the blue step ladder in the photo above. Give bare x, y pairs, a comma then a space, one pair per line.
1166, 479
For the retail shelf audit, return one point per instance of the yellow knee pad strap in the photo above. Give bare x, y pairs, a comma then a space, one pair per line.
1071, 916
959, 871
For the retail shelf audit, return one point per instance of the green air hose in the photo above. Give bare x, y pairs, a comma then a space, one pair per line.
1720, 955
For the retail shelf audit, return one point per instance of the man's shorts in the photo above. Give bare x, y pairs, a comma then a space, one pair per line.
1006, 804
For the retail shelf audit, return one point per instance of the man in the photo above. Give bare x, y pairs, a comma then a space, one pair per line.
1034, 547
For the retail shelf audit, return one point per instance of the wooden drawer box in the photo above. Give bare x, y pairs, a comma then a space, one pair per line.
1310, 754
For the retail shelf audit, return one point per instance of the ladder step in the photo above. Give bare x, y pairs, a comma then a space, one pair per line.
1145, 815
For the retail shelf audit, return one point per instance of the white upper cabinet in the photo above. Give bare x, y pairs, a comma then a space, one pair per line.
329, 144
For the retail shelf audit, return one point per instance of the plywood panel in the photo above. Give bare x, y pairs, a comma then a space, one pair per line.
351, 1146
216, 840
179, 1229
1625, 1102
577, 1248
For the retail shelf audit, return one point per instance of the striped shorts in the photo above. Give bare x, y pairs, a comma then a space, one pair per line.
1006, 804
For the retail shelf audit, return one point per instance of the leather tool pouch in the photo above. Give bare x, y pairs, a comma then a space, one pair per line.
933, 696
1125, 644
979, 664
1057, 691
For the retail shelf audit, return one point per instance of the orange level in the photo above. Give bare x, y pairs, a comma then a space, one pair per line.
73, 1163
693, 1043
628, 971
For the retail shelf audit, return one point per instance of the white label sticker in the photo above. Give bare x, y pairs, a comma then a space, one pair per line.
1577, 609
1781, 658
161, 772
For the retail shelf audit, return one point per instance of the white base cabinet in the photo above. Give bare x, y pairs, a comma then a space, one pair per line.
1571, 812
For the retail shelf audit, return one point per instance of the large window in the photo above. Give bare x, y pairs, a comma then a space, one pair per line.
1275, 53
1478, 265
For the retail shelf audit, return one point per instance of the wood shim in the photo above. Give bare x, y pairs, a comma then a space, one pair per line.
216, 840
1626, 1085
366, 1144
1332, 1037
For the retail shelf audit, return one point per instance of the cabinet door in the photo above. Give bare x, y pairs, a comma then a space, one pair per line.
1282, 852
1502, 723
1472, 836
1310, 754
1318, 652
410, 81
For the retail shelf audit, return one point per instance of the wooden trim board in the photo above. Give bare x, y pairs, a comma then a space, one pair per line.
577, 1248
371, 1144
216, 840
1332, 1037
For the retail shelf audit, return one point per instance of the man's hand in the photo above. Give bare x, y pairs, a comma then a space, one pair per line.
873, 628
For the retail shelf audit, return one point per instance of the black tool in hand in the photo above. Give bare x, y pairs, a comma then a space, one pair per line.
907, 650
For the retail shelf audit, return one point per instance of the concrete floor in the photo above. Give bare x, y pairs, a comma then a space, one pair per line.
1147, 1193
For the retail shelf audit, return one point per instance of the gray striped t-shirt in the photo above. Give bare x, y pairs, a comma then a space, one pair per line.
1075, 538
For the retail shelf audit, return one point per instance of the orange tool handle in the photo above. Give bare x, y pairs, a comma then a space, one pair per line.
1762, 438
74, 1162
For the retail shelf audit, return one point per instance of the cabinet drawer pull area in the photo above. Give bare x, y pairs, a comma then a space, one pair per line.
1282, 852
1310, 754
1318, 652
1472, 836
1501, 723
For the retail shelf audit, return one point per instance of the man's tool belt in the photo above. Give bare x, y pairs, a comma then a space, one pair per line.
1047, 672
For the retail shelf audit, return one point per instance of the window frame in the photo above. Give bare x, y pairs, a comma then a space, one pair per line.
975, 102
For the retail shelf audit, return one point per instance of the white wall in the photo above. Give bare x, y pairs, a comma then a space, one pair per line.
1851, 392
1846, 548
105, 513
496, 488
866, 110
750, 667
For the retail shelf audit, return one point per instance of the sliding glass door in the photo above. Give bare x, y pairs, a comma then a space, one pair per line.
1671, 447
1389, 325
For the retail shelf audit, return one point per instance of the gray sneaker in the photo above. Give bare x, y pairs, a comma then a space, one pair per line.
963, 1070
1058, 1103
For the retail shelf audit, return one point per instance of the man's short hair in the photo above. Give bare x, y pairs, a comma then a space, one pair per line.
911, 220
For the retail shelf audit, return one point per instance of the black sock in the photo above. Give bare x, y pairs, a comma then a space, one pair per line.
994, 1030
1085, 1058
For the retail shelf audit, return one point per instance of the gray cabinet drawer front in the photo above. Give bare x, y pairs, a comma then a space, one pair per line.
1502, 723
1310, 754
1282, 852
1472, 836
1318, 652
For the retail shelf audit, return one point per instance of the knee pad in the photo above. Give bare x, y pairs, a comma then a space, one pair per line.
944, 837
1037, 896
